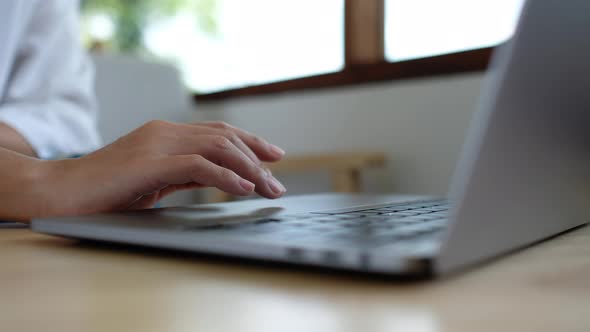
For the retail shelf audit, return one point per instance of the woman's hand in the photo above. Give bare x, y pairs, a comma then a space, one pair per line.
153, 161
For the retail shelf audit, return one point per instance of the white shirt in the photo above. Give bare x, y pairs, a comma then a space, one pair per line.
46, 78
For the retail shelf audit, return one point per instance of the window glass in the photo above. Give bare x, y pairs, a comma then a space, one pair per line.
222, 44
422, 28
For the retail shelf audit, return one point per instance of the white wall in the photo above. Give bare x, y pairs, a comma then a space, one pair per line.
419, 124
132, 92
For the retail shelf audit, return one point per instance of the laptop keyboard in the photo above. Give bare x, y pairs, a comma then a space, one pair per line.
367, 226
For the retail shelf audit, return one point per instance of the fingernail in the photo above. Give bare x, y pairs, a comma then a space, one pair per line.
276, 186
276, 150
247, 185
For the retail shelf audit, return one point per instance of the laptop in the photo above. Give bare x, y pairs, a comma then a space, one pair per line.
523, 177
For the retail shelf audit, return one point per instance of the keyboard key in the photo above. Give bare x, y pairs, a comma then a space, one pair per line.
402, 214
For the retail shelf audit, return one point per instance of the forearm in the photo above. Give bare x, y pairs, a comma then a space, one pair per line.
22, 193
10, 139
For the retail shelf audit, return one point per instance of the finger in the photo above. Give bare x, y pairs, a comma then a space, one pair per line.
230, 135
221, 151
263, 149
195, 168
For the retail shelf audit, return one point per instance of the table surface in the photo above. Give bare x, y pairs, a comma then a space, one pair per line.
53, 284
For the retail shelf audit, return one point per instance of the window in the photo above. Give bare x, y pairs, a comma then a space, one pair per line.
222, 44
421, 28
229, 48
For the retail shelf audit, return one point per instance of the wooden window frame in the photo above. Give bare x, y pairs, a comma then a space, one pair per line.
365, 59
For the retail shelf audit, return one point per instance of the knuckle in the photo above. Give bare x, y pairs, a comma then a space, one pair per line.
225, 173
154, 123
261, 172
155, 126
198, 167
222, 125
231, 136
195, 160
221, 143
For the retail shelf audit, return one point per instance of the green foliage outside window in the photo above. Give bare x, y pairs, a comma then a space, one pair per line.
131, 16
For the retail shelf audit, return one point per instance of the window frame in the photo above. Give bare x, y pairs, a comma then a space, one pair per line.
365, 59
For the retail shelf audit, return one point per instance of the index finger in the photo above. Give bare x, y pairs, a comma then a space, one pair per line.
263, 149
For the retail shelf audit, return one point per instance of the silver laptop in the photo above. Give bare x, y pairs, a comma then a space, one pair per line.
524, 176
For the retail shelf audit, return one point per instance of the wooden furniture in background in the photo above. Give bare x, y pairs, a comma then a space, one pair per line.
344, 169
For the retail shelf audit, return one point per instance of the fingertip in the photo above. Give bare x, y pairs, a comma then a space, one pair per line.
279, 195
277, 151
276, 188
247, 186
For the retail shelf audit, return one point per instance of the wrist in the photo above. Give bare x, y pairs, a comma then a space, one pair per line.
49, 181
22, 192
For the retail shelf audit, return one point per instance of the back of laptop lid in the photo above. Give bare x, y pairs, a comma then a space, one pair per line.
525, 171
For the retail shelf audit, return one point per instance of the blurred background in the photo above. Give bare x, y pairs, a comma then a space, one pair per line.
359, 78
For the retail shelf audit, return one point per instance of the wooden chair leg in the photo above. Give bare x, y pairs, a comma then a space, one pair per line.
221, 196
346, 181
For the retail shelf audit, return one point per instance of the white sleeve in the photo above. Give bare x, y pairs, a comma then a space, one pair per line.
49, 98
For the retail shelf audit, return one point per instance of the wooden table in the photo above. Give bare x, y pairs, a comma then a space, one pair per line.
51, 284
